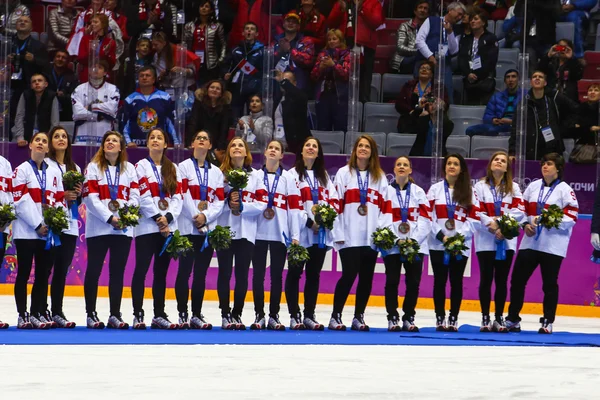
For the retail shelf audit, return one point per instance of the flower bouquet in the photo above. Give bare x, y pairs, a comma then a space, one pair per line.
71, 179
237, 180
129, 216
220, 237
325, 215
453, 247
509, 227
177, 246
409, 250
7, 214
384, 239
297, 255
56, 220
552, 217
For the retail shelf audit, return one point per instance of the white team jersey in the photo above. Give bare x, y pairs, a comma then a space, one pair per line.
6, 196
418, 218
286, 204
512, 204
327, 195
554, 241
466, 220
254, 200
150, 197
73, 223
191, 196
358, 228
96, 196
104, 103
27, 194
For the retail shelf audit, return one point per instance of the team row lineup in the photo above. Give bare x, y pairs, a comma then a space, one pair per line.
298, 211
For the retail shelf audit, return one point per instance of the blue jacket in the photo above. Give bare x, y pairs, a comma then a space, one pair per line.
144, 113
247, 84
497, 105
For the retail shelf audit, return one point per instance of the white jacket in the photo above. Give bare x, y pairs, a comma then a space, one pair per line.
74, 223
104, 101
6, 196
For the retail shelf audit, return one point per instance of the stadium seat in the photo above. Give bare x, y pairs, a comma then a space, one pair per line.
332, 142
484, 146
391, 85
376, 88
38, 17
582, 87
388, 35
44, 38
565, 30
458, 144
500, 86
312, 113
383, 53
399, 144
592, 67
379, 137
35, 35
380, 117
507, 59
69, 127
569, 144
457, 88
465, 116
491, 26
597, 45
498, 31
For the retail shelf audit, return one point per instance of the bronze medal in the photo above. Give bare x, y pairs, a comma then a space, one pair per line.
314, 209
163, 204
404, 228
450, 224
363, 210
269, 213
203, 205
113, 205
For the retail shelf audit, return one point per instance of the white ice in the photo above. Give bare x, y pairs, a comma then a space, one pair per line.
297, 372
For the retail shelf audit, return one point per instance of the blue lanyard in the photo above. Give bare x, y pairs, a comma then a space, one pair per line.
404, 205
362, 187
537, 117
158, 177
41, 179
450, 204
202, 183
422, 92
541, 203
20, 49
113, 189
314, 188
497, 199
99, 47
273, 188
58, 82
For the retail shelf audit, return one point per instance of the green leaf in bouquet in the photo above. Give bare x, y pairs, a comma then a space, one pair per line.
179, 246
325, 215
72, 179
237, 178
384, 239
7, 214
220, 237
129, 216
297, 255
56, 219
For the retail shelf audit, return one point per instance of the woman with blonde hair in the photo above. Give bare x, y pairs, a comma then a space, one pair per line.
362, 188
498, 195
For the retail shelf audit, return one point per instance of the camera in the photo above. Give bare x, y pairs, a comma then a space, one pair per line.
560, 49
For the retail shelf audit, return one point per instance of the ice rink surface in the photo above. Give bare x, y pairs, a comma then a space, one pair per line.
298, 372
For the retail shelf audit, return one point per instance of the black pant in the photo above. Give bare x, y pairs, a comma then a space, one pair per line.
413, 271
314, 265
198, 262
259, 267
490, 270
63, 257
526, 264
242, 249
146, 247
456, 270
356, 261
98, 246
366, 74
27, 249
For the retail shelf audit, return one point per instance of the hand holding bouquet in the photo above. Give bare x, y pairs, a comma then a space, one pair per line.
551, 218
220, 237
384, 239
129, 216
297, 255
409, 250
509, 227
325, 215
56, 220
177, 246
453, 247
71, 179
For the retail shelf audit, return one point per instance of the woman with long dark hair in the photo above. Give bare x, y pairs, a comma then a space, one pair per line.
160, 205
498, 195
240, 213
111, 182
59, 156
203, 196
35, 188
454, 209
409, 219
362, 187
6, 197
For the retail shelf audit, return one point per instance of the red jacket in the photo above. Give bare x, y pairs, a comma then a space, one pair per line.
108, 52
370, 17
257, 13
311, 25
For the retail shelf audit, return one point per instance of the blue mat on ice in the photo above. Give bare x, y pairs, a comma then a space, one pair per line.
466, 336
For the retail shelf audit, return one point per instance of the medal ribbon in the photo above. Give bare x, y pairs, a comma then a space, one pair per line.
158, 178
497, 199
41, 179
203, 183
314, 188
273, 188
113, 189
362, 187
450, 204
404, 206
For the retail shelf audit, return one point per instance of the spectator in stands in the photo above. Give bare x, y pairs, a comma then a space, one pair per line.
477, 59
542, 128
146, 109
256, 128
8, 22
293, 51
211, 112
63, 81
563, 69
577, 12
107, 47
497, 9
588, 124
62, 20
95, 105
364, 17
312, 23
143, 57
428, 40
291, 123
428, 110
27, 56
37, 111
245, 69
464, 28
250, 10
147, 17
403, 61
500, 110
114, 6
206, 38
332, 72
166, 61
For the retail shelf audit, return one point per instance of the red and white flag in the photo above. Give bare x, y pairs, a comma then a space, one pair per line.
247, 68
